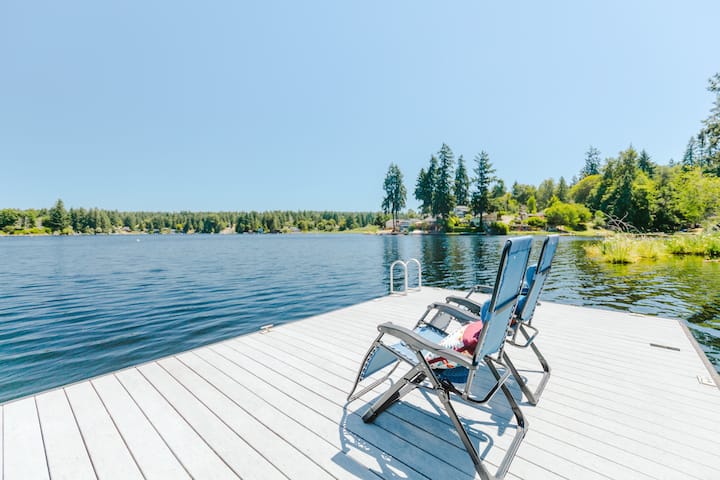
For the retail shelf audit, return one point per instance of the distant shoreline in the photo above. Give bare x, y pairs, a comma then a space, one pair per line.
311, 232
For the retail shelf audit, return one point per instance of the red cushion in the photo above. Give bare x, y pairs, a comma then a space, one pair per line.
470, 336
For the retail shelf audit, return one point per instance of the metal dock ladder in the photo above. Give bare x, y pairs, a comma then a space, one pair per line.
404, 265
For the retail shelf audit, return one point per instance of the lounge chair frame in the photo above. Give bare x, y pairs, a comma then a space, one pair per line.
415, 344
523, 317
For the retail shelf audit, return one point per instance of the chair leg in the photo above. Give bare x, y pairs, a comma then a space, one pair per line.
533, 397
444, 391
522, 426
546, 370
401, 388
464, 437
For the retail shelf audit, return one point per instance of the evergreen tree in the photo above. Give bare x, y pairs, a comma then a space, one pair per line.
58, 219
462, 183
664, 209
498, 190
423, 192
395, 194
643, 196
443, 198
711, 130
701, 150
425, 186
592, 163
689, 160
618, 201
562, 190
104, 223
483, 178
645, 163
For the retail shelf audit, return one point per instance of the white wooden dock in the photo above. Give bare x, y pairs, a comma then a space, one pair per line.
273, 406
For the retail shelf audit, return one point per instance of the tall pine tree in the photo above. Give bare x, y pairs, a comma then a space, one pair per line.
645, 163
711, 131
619, 198
395, 194
592, 163
562, 190
483, 178
462, 183
425, 186
58, 217
443, 198
690, 159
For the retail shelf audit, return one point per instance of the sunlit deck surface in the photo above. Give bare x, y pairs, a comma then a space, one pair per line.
273, 406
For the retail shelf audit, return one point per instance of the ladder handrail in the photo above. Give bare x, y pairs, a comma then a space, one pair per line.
419, 272
392, 279
404, 265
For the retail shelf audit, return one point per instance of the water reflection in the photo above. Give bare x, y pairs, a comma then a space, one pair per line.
460, 262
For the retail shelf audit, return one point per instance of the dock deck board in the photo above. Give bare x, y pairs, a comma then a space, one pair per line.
273, 405
64, 447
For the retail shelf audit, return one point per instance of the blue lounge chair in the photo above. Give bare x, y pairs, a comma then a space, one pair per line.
420, 349
522, 318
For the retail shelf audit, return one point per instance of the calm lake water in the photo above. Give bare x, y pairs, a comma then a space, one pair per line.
76, 307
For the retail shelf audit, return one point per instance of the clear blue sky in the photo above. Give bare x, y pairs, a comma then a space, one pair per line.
231, 105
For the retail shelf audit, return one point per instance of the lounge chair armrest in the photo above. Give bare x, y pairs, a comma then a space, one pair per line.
463, 316
418, 343
471, 305
481, 289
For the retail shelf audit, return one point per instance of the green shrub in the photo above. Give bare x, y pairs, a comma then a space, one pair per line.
499, 228
461, 229
599, 219
31, 231
536, 222
568, 214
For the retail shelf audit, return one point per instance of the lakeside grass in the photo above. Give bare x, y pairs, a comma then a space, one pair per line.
624, 248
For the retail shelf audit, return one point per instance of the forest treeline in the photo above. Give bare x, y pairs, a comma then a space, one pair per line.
94, 220
628, 190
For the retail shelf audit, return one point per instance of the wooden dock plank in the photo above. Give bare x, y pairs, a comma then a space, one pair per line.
154, 457
23, 443
235, 451
187, 445
106, 447
658, 363
312, 433
317, 395
64, 446
269, 444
